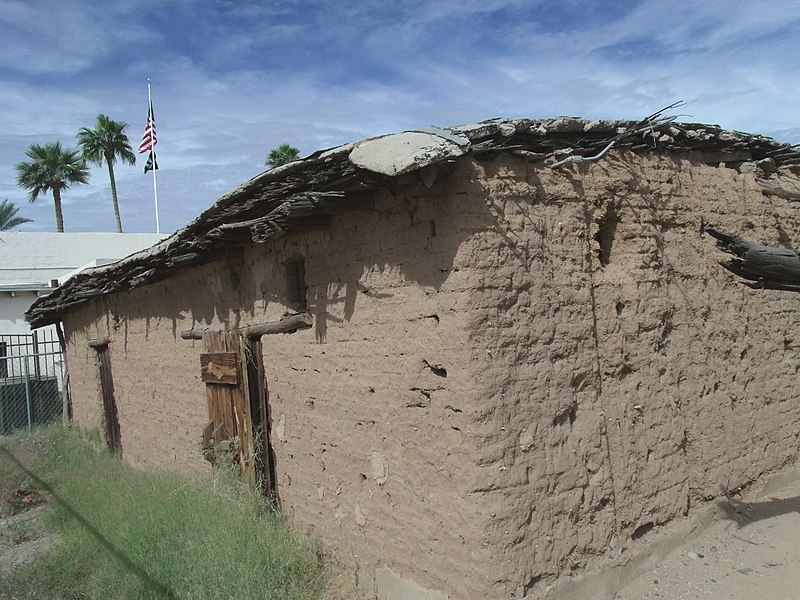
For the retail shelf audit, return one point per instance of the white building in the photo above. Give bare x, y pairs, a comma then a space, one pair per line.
31, 264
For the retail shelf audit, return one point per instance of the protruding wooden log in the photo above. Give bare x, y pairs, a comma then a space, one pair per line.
772, 189
288, 324
777, 268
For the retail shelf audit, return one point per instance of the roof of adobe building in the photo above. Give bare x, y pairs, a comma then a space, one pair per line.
307, 192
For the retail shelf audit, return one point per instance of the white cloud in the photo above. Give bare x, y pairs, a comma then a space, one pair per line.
246, 77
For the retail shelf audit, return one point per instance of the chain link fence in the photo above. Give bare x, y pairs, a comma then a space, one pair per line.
31, 379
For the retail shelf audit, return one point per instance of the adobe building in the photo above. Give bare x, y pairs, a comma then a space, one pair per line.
478, 362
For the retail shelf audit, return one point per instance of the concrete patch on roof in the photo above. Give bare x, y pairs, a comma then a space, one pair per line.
488, 128
337, 150
405, 152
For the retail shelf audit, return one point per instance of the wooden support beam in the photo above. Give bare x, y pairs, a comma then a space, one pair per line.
776, 190
288, 324
99, 343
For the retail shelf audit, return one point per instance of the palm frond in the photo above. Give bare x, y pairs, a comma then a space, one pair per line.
8, 216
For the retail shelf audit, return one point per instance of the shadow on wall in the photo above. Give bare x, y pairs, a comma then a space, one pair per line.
412, 238
201, 295
414, 235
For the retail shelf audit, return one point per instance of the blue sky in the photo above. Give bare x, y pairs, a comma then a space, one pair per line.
232, 79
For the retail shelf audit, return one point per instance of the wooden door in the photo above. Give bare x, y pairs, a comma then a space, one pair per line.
259, 409
109, 402
238, 425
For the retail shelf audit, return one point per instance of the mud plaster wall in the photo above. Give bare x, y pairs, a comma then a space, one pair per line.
160, 399
624, 375
490, 397
371, 416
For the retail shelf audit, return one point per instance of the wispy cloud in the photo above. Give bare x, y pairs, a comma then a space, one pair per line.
233, 79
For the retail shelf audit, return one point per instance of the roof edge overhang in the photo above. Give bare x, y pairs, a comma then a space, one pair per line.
303, 193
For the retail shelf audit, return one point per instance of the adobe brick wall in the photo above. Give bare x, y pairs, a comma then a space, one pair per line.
620, 392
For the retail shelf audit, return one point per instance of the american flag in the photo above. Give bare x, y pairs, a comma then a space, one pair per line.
149, 138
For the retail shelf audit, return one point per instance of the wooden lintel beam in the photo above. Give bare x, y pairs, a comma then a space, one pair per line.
288, 324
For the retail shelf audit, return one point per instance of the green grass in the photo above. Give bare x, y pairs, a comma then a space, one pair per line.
203, 537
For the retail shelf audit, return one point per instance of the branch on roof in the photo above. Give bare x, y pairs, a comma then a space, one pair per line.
647, 125
276, 222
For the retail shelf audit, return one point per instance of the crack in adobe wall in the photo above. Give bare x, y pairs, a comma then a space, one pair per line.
588, 218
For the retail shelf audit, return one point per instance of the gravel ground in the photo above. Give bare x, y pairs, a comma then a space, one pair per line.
753, 554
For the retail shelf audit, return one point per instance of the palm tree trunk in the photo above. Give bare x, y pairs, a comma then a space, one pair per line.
114, 195
59, 214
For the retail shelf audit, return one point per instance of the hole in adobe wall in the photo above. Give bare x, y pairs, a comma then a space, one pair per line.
296, 287
641, 530
624, 371
606, 232
437, 370
528, 587
568, 416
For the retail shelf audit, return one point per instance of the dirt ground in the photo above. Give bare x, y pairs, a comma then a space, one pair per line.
753, 553
23, 537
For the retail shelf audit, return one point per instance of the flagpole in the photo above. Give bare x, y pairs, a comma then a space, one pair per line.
153, 151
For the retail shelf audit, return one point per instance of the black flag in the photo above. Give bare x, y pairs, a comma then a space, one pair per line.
152, 162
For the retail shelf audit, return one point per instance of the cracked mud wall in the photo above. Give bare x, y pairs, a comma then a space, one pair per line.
373, 411
161, 401
510, 375
626, 376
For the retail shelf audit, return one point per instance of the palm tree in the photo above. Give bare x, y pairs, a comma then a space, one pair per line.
8, 216
107, 142
281, 155
53, 168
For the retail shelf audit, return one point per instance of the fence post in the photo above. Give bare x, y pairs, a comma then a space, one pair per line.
36, 368
28, 400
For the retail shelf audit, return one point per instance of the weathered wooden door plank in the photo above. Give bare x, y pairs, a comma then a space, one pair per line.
113, 437
219, 367
224, 371
259, 410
